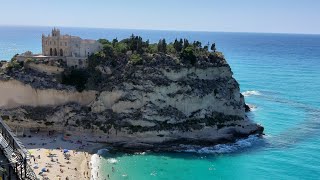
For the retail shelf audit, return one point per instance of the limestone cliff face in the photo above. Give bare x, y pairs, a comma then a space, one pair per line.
145, 106
15, 94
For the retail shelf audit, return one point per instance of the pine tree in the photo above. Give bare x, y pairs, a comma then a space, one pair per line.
213, 47
185, 43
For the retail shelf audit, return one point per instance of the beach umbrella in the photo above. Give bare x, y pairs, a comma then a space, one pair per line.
65, 150
44, 170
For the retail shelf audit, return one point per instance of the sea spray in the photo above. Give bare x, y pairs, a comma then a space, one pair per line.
251, 93
252, 107
239, 145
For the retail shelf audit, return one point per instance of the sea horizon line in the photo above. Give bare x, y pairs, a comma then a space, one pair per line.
164, 30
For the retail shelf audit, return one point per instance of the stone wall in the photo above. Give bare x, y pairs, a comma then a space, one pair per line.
43, 68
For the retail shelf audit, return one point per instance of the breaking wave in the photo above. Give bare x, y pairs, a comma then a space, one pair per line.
95, 161
239, 145
251, 93
112, 161
252, 107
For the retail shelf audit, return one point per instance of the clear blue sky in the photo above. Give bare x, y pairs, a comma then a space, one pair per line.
281, 16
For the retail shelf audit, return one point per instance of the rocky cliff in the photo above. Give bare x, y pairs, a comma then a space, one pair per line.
155, 105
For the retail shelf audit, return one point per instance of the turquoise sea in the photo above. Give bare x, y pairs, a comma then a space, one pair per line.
278, 73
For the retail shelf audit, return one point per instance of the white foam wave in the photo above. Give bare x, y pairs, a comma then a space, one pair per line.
112, 160
252, 107
95, 161
251, 93
225, 148
140, 153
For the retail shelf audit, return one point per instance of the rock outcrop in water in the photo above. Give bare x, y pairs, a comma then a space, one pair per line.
157, 105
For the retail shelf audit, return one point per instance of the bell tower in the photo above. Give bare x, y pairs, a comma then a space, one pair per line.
55, 32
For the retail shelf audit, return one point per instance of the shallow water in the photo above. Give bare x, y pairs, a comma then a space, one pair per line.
279, 75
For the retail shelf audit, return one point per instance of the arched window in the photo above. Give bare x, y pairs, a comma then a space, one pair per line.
55, 52
50, 51
61, 52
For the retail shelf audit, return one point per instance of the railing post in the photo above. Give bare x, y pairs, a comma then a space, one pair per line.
25, 166
9, 177
21, 171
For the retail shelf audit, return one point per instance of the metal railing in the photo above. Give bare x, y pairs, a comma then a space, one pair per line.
15, 152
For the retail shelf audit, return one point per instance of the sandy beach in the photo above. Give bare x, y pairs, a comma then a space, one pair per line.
57, 157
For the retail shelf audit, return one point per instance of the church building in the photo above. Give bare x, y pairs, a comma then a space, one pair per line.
71, 48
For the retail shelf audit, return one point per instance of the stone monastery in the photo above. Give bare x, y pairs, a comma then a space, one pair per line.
72, 49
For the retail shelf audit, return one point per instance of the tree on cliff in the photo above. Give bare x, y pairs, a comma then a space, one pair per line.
185, 43
114, 42
178, 45
162, 46
104, 41
197, 44
136, 44
188, 56
213, 47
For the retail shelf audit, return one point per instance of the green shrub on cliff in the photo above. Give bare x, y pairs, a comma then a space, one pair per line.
104, 41
14, 64
120, 48
153, 48
219, 54
171, 49
188, 56
136, 59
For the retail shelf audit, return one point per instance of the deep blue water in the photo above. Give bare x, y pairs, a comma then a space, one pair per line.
279, 73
